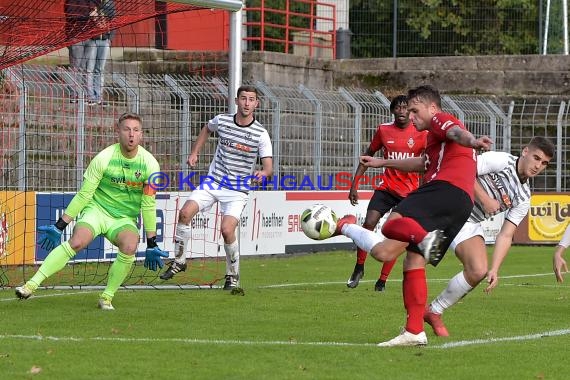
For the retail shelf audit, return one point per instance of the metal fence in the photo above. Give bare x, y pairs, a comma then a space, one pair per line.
49, 133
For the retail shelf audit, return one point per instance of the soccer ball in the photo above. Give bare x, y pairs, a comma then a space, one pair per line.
318, 222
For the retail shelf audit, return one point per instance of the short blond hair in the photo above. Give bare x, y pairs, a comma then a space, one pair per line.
129, 116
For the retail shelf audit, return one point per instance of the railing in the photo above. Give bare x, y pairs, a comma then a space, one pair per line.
47, 141
295, 29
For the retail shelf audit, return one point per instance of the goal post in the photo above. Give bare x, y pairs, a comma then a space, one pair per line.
49, 134
235, 50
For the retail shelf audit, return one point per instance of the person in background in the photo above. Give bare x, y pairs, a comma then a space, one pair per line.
97, 50
242, 139
78, 21
397, 139
87, 58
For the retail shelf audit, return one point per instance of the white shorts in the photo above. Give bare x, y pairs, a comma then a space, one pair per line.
231, 202
468, 231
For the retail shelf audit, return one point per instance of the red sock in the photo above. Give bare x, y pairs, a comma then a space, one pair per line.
404, 229
414, 289
386, 269
361, 254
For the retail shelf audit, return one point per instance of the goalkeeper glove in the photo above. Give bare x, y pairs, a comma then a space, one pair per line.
52, 235
153, 255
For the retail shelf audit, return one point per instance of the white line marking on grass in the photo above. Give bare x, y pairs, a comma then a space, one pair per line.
48, 295
528, 275
464, 343
391, 280
184, 340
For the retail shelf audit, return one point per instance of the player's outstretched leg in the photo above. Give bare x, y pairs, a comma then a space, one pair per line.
54, 262
347, 219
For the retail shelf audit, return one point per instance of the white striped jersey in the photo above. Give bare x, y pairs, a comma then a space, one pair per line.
237, 151
497, 174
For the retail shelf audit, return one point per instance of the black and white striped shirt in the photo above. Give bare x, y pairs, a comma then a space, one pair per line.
497, 174
237, 151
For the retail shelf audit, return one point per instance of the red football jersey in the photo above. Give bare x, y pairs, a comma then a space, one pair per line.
397, 143
447, 160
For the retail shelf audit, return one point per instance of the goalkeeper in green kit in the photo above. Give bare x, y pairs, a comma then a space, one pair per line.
115, 190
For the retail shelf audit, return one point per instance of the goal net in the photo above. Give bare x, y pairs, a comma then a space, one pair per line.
168, 61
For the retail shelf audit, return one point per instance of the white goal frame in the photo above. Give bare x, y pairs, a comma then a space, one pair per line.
235, 61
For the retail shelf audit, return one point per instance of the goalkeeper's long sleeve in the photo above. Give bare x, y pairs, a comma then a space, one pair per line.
148, 210
82, 198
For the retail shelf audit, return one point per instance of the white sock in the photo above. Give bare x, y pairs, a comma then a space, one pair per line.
182, 234
232, 258
456, 289
363, 238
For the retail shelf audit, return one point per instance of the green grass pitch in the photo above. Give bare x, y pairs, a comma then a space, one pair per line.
295, 320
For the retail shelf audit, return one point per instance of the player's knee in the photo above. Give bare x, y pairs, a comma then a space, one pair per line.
128, 248
382, 254
228, 232
474, 275
76, 245
187, 212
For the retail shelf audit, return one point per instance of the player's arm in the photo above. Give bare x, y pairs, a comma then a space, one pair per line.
265, 150
503, 243
466, 138
490, 204
52, 233
558, 262
358, 174
153, 254
412, 164
198, 145
266, 169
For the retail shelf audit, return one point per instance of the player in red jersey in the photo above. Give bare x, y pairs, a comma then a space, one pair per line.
398, 139
441, 205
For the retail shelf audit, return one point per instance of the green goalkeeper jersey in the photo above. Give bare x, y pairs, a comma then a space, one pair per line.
119, 185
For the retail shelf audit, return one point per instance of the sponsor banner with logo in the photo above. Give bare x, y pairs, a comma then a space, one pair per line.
17, 227
270, 224
548, 217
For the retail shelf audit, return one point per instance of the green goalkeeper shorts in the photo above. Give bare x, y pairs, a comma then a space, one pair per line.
101, 223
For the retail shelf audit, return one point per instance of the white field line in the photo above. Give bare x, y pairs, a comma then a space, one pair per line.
284, 343
63, 293
399, 279
463, 343
449, 345
48, 295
